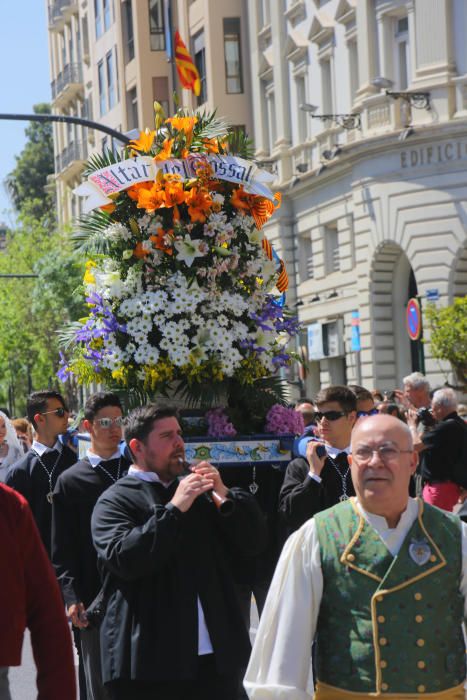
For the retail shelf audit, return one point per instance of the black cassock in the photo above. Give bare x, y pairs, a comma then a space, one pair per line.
160, 561
29, 477
73, 554
301, 497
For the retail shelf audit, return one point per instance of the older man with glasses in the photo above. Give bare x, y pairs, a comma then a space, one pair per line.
380, 582
73, 553
35, 474
320, 476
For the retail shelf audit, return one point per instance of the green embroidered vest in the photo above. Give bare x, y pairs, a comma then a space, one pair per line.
390, 624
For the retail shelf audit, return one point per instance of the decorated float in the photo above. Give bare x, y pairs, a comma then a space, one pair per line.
186, 296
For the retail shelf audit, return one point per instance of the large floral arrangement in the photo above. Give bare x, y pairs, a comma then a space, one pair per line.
181, 285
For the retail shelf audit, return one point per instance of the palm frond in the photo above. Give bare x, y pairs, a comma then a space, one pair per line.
240, 144
132, 397
89, 236
67, 334
200, 395
101, 160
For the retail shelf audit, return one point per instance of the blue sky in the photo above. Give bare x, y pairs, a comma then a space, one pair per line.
24, 61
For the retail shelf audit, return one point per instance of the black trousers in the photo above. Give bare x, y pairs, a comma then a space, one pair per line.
208, 685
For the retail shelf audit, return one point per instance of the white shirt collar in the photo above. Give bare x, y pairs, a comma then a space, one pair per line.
392, 537
334, 451
95, 460
40, 448
147, 476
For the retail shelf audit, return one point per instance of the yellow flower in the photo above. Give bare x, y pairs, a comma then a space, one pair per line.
144, 142
88, 275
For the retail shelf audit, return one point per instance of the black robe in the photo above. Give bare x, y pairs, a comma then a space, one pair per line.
28, 477
73, 554
301, 496
160, 560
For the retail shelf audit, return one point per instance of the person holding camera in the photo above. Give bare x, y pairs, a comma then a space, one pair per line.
173, 627
320, 477
443, 456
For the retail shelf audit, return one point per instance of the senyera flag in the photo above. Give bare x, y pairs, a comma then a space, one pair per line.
186, 69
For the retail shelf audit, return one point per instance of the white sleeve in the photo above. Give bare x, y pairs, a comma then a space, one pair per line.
280, 663
463, 586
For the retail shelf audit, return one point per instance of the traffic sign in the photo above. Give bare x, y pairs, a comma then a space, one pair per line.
414, 319
432, 294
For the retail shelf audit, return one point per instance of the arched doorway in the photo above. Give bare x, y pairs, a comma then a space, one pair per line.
392, 284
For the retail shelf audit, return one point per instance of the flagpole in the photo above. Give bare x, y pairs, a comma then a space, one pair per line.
169, 49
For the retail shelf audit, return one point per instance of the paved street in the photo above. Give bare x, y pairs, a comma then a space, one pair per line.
23, 678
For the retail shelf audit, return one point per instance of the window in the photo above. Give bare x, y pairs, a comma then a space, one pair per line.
160, 92
331, 248
327, 87
111, 79
102, 88
264, 13
156, 25
128, 35
132, 109
232, 56
107, 15
98, 18
200, 63
402, 53
305, 252
353, 68
302, 116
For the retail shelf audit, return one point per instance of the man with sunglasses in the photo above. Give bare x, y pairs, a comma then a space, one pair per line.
320, 477
365, 401
75, 496
35, 474
380, 582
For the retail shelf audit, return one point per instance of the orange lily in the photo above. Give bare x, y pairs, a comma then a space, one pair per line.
109, 208
199, 204
151, 199
166, 150
241, 200
139, 251
144, 142
134, 190
174, 192
211, 145
159, 241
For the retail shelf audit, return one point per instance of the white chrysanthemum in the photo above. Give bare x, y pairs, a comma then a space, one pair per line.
117, 232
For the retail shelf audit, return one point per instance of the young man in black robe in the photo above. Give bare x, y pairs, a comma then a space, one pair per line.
75, 495
321, 478
35, 474
173, 627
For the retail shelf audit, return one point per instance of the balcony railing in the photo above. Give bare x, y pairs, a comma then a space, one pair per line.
71, 74
56, 11
76, 151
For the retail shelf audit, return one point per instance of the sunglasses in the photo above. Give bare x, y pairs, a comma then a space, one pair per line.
108, 422
329, 415
60, 412
373, 412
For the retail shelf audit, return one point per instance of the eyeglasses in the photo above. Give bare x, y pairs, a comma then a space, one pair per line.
60, 412
373, 412
386, 453
108, 422
329, 415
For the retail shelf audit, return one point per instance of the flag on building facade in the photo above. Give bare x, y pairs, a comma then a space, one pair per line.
186, 69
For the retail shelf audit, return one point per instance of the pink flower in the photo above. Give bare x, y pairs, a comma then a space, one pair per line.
219, 424
280, 419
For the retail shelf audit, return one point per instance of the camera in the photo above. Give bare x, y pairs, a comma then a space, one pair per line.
425, 417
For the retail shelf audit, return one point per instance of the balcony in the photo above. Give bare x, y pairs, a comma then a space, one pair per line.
60, 12
67, 84
70, 161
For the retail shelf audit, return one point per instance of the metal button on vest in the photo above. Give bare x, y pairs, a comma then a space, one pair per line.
418, 618
383, 663
421, 688
421, 664
432, 558
420, 642
383, 641
418, 596
384, 686
381, 618
350, 557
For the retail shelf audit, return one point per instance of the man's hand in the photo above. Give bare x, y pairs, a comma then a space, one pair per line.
210, 472
189, 489
76, 613
316, 463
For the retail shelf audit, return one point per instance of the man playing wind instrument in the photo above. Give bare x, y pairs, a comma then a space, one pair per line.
379, 581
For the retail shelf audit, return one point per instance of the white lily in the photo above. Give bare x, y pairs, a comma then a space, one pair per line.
188, 250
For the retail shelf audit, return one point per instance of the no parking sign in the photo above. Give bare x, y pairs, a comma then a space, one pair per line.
414, 319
